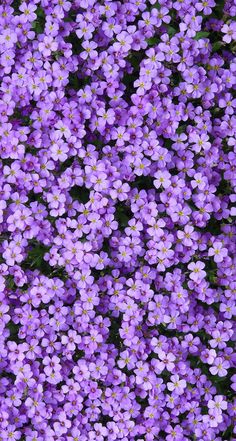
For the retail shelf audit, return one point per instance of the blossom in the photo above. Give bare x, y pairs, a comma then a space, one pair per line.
167, 361
219, 367
229, 31
218, 251
177, 385
197, 272
218, 404
117, 228
233, 385
162, 179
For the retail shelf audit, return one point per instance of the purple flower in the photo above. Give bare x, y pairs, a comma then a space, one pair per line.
218, 404
197, 272
229, 31
117, 194
162, 178
166, 361
176, 385
219, 367
218, 251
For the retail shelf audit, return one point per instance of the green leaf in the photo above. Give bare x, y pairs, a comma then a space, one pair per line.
157, 5
39, 24
14, 329
216, 46
123, 215
152, 41
80, 194
201, 34
171, 31
40, 12
35, 258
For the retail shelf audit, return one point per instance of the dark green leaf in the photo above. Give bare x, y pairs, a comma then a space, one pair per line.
171, 31
201, 34
80, 194
217, 45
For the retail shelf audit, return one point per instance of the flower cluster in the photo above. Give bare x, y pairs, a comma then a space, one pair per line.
117, 220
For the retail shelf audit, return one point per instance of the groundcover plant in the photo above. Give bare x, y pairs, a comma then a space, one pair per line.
117, 220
